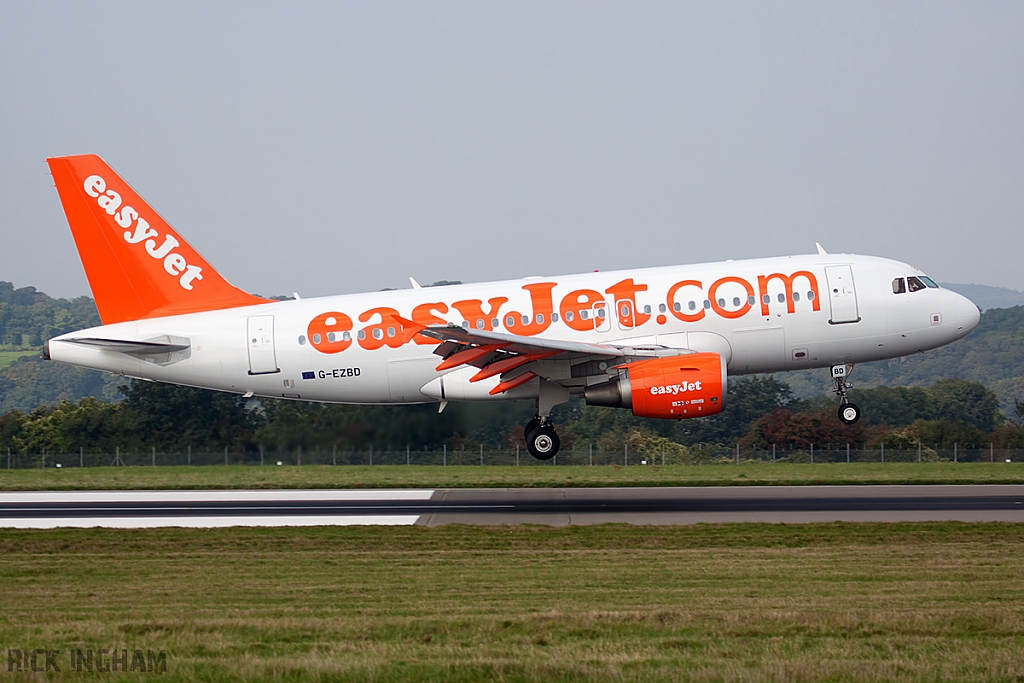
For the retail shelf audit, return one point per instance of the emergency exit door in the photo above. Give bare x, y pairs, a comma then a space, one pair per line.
841, 294
262, 357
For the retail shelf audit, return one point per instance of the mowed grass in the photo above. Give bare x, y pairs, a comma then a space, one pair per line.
838, 602
7, 357
402, 476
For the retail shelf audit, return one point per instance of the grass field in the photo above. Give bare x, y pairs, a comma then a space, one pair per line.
7, 357
401, 476
838, 602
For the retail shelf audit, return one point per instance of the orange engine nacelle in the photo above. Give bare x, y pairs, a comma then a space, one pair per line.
674, 388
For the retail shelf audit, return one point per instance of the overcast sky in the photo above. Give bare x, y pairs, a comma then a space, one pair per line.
342, 147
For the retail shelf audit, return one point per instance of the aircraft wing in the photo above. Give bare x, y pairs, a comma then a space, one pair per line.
519, 359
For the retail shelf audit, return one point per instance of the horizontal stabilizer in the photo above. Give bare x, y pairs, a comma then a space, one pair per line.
161, 345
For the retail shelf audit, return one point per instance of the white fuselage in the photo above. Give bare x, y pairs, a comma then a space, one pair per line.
837, 309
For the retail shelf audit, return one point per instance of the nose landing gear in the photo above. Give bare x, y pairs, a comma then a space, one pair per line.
849, 413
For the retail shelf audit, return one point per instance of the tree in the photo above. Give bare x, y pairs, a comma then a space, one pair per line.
958, 400
166, 416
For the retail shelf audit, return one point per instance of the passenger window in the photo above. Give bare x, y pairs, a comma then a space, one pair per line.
302, 340
479, 324
510, 321
721, 303
766, 299
647, 310
796, 296
330, 337
569, 316
316, 338
526, 320
584, 315
899, 286
361, 335
707, 304
693, 306
494, 322
540, 318
914, 285
679, 307
345, 336
929, 282
751, 301
736, 301
600, 313
554, 317
810, 296
782, 298
661, 308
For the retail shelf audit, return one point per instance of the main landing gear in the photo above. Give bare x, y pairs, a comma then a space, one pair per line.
848, 412
541, 438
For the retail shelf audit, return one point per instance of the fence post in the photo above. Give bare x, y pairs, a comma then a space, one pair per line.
299, 461
625, 454
737, 453
81, 457
334, 454
188, 461
517, 455
481, 455
444, 462
591, 453
883, 452
408, 459
812, 453
154, 456
847, 451
261, 455
44, 457
956, 455
991, 452
225, 455
919, 451
8, 458
773, 452
371, 454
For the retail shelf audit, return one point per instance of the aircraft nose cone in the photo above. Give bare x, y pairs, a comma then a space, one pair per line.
967, 316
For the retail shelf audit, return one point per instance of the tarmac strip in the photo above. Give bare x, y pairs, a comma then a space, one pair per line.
652, 505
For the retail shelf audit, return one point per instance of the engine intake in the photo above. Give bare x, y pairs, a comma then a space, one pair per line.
674, 388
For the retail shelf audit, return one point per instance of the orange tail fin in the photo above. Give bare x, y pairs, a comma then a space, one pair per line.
137, 265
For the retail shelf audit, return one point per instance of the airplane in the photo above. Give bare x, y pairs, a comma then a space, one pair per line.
660, 342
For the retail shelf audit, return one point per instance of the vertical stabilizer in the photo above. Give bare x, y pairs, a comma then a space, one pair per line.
137, 265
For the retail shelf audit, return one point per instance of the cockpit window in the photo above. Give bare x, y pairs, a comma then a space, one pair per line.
899, 286
928, 282
914, 284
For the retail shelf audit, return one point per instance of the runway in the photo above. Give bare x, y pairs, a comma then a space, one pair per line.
682, 505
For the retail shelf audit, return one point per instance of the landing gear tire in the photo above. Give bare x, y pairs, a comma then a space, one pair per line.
543, 442
530, 426
849, 413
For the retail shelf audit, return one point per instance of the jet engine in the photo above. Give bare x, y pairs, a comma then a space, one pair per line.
673, 388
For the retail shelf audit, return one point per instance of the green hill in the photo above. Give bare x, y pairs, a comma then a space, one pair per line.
992, 354
28, 318
987, 297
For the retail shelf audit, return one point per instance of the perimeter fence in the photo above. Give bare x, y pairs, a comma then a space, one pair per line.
587, 455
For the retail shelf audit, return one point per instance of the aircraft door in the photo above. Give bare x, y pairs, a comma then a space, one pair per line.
842, 295
262, 356
602, 321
